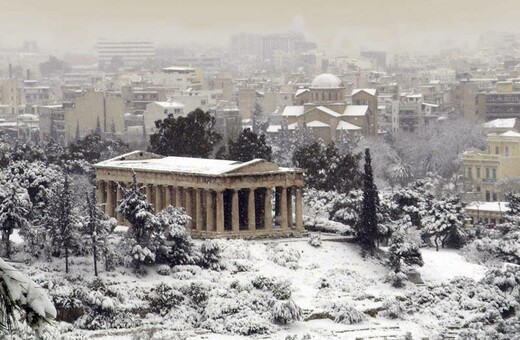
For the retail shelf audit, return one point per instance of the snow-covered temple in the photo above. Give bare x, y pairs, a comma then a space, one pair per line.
224, 198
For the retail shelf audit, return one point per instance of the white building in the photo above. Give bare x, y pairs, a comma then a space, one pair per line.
160, 110
131, 52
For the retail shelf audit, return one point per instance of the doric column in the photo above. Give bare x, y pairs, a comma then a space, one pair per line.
119, 197
289, 207
148, 193
251, 216
189, 206
283, 209
210, 213
178, 199
158, 198
298, 207
235, 218
167, 196
199, 220
268, 217
110, 200
100, 195
220, 211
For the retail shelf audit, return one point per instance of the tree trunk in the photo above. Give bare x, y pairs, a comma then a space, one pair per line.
7, 244
95, 261
66, 260
436, 243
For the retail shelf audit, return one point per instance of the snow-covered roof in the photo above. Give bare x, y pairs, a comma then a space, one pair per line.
510, 133
326, 81
342, 125
316, 124
293, 110
372, 92
300, 91
488, 206
170, 105
355, 110
503, 123
328, 111
139, 160
429, 104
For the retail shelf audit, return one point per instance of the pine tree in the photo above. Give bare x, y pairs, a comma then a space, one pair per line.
63, 223
367, 227
445, 222
14, 211
249, 146
135, 209
97, 228
403, 247
98, 127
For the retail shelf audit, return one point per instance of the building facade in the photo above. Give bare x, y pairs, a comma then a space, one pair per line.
223, 198
482, 170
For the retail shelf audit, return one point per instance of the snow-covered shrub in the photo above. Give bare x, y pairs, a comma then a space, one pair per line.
344, 313
197, 292
394, 308
164, 270
281, 289
397, 280
248, 323
343, 280
463, 302
284, 256
163, 298
322, 224
285, 312
210, 255
315, 240
507, 278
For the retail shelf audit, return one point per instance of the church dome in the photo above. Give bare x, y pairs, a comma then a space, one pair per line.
326, 81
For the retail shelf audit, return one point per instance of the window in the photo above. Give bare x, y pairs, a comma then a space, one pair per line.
468, 172
488, 196
478, 189
506, 151
497, 150
494, 173
494, 197
165, 111
487, 173
478, 172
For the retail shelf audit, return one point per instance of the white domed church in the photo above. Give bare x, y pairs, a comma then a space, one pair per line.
322, 108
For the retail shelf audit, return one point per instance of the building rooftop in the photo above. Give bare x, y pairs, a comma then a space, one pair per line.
372, 92
504, 123
355, 110
488, 206
342, 125
140, 160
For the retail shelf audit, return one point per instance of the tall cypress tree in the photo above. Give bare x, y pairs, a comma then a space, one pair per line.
367, 227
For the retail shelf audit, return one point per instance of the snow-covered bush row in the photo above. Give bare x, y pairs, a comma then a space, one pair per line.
463, 303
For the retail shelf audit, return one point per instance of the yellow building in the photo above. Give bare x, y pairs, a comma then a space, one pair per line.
91, 107
483, 170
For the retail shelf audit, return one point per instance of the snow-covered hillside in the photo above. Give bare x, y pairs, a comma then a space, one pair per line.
329, 282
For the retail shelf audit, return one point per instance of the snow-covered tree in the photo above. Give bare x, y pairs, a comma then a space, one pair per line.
249, 146
283, 146
97, 228
172, 241
20, 295
367, 232
63, 223
445, 221
15, 206
191, 136
138, 211
404, 247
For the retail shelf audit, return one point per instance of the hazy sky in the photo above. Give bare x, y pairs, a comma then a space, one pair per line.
339, 26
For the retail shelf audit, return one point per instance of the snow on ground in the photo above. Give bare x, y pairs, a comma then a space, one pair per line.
446, 264
336, 265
